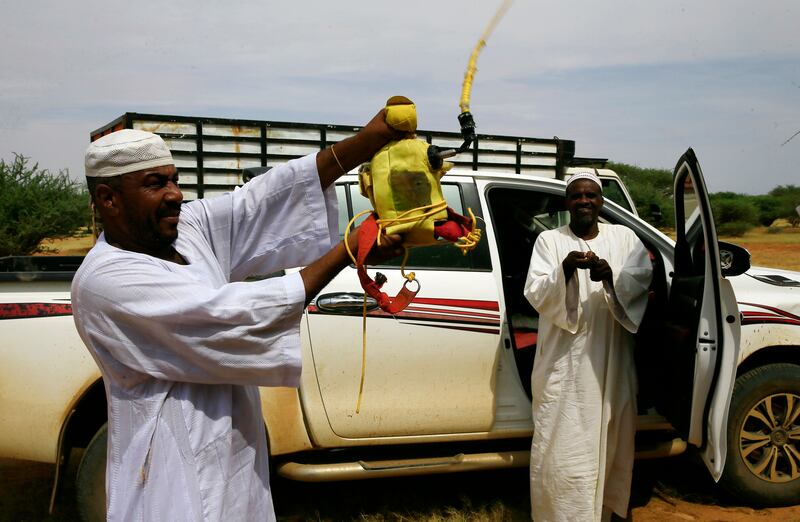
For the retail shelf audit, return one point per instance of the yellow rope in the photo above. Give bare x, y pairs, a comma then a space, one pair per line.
471, 240
466, 88
363, 353
426, 212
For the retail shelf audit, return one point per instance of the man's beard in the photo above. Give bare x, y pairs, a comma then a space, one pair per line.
583, 220
151, 236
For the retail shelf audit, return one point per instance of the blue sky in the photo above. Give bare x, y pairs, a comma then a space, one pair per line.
637, 82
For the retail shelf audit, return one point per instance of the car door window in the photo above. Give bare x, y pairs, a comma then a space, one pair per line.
344, 215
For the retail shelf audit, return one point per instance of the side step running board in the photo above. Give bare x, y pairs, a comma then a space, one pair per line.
362, 469
402, 467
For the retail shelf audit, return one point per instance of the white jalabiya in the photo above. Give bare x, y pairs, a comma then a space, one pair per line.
183, 349
584, 380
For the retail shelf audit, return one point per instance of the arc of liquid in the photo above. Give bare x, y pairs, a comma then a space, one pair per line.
466, 88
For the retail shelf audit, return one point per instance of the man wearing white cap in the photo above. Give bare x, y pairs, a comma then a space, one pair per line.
182, 341
588, 281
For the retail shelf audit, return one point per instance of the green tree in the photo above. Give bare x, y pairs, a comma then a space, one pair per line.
651, 190
734, 214
768, 209
787, 199
36, 204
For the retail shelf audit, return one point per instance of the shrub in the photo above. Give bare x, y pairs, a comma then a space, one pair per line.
734, 213
787, 201
36, 205
733, 228
651, 190
768, 209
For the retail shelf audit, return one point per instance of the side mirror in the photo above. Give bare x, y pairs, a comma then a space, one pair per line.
733, 259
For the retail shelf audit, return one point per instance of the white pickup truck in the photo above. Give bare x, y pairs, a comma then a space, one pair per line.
447, 384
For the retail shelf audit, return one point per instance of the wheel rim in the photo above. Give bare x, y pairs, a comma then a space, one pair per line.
769, 440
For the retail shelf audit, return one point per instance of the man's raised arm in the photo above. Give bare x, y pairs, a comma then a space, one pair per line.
338, 159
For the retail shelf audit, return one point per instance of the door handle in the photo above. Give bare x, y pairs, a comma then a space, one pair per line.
345, 303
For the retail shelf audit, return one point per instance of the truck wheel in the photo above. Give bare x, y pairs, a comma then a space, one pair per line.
90, 484
763, 458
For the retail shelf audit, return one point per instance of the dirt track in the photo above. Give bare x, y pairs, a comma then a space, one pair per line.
667, 490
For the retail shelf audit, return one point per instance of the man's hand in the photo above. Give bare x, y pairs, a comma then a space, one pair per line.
573, 261
355, 150
600, 271
582, 260
378, 129
391, 246
319, 273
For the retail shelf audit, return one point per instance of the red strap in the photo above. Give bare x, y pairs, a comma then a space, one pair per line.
367, 236
455, 227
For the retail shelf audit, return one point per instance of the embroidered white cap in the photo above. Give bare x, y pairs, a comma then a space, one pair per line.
586, 175
126, 150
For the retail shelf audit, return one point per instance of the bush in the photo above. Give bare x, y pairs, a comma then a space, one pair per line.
733, 228
787, 200
734, 214
650, 189
36, 205
768, 209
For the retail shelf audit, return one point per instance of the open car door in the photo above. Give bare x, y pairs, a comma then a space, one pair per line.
700, 341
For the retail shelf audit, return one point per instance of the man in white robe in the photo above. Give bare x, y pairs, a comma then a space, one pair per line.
182, 341
589, 283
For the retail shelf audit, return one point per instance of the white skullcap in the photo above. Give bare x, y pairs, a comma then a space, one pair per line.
126, 150
586, 175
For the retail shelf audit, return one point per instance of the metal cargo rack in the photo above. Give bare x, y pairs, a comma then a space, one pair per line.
210, 153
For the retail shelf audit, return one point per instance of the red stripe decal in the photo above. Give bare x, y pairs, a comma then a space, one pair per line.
405, 315
28, 310
450, 312
760, 314
420, 313
460, 303
778, 311
423, 316
772, 320
463, 328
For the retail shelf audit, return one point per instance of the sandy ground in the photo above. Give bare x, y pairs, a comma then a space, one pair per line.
677, 489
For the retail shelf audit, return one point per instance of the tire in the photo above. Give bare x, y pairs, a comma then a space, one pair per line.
762, 467
90, 484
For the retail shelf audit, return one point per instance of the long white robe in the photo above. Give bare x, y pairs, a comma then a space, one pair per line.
183, 349
584, 380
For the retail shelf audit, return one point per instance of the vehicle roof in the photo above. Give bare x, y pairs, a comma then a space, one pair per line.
505, 176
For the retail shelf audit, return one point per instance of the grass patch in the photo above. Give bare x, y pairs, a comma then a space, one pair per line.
769, 248
77, 245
